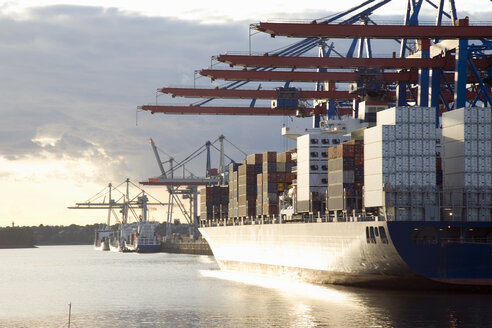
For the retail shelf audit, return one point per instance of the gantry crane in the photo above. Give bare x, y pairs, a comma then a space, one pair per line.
443, 69
187, 184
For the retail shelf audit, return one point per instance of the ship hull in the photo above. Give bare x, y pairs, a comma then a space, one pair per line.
353, 253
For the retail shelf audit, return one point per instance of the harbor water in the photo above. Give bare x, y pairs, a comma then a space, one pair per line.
108, 289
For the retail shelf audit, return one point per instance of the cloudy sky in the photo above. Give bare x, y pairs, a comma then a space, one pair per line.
73, 73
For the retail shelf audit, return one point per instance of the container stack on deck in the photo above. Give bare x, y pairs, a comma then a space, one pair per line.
246, 189
285, 177
233, 189
467, 163
214, 202
345, 176
400, 163
269, 184
396, 166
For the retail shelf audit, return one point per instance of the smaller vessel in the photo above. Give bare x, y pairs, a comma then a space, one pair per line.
140, 236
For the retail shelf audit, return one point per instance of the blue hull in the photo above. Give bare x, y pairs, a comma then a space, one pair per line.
148, 248
447, 252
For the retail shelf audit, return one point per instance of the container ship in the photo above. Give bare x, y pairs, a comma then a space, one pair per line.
396, 193
391, 204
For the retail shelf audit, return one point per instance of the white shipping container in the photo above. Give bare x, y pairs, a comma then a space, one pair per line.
402, 179
393, 115
402, 163
471, 164
373, 166
484, 179
470, 179
429, 147
471, 148
454, 180
373, 198
390, 179
372, 135
373, 182
416, 164
471, 131
416, 147
415, 131
453, 165
484, 147
484, 131
389, 165
451, 133
429, 179
429, 115
454, 149
487, 164
303, 193
426, 127
484, 114
401, 147
453, 117
379, 149
414, 179
401, 131
415, 115
470, 114
428, 164
388, 148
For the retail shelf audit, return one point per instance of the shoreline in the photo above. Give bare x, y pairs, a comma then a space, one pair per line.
16, 246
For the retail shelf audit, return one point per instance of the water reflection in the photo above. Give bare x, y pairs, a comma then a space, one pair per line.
173, 290
306, 305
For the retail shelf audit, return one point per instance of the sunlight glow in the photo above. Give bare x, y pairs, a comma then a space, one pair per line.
297, 288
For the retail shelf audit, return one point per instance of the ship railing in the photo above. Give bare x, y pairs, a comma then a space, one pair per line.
147, 240
283, 219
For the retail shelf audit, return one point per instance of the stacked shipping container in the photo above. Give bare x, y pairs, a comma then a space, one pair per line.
467, 163
269, 184
345, 176
233, 205
214, 202
400, 163
246, 189
255, 184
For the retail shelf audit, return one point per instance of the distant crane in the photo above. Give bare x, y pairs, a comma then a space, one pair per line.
190, 183
124, 203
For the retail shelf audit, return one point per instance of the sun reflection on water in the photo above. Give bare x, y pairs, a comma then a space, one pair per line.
286, 286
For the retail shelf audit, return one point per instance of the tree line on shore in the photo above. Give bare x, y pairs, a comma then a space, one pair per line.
63, 235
